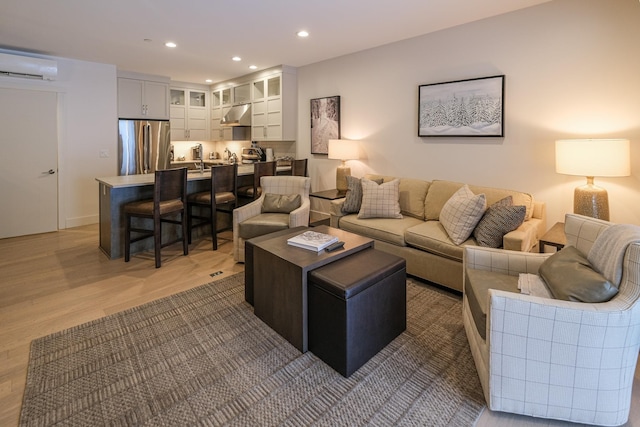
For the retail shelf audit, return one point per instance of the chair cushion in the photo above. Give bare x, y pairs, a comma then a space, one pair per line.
380, 201
461, 214
569, 276
145, 207
248, 191
281, 203
476, 288
204, 197
263, 224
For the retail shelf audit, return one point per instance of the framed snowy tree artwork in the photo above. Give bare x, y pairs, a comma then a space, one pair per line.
473, 107
325, 123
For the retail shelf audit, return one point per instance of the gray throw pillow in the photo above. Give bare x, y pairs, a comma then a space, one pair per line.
501, 218
353, 197
281, 203
569, 276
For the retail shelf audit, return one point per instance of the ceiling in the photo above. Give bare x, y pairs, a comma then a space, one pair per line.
208, 33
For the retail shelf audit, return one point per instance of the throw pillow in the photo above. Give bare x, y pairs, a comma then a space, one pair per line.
281, 203
461, 213
380, 200
569, 276
353, 197
501, 218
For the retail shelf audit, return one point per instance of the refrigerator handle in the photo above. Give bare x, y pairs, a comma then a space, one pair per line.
146, 148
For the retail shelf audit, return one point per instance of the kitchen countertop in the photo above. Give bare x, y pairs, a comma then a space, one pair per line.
149, 178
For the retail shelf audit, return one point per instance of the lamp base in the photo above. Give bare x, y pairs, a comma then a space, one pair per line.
591, 200
341, 178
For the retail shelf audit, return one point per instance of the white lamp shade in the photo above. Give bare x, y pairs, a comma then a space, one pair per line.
344, 149
593, 157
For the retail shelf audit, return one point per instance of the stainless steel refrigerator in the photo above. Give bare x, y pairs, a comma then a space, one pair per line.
144, 146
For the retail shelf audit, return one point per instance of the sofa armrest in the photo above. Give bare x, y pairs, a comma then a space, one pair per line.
502, 261
335, 212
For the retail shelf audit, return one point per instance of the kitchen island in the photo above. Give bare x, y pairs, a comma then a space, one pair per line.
116, 191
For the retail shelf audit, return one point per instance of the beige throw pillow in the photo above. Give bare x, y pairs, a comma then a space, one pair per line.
461, 214
380, 201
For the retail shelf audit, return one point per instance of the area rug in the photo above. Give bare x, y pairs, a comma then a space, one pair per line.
201, 357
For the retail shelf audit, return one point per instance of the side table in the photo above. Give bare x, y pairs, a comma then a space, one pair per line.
554, 237
332, 194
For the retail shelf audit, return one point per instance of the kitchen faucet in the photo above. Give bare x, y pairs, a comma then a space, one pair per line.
233, 159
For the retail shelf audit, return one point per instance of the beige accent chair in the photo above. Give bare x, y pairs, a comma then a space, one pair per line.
552, 358
263, 223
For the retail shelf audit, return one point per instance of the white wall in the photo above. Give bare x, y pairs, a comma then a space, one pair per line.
87, 123
572, 70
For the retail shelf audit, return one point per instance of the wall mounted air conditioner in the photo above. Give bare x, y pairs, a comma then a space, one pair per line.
27, 67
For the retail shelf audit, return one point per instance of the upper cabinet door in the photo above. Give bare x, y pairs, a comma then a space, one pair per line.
141, 99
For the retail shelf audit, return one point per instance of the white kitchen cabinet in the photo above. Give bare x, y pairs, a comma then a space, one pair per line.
142, 99
189, 115
221, 99
273, 109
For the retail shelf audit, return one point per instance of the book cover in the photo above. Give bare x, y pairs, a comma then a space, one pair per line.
312, 240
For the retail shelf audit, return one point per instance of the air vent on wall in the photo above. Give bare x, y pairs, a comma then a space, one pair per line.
27, 67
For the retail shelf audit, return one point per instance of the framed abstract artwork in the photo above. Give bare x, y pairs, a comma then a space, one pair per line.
473, 107
325, 123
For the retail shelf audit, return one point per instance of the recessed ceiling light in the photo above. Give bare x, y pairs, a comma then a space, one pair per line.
237, 58
253, 67
303, 34
209, 81
170, 44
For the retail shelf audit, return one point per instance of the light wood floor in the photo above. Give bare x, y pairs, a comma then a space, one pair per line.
53, 281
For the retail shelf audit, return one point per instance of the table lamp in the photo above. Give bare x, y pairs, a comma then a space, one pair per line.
343, 149
591, 158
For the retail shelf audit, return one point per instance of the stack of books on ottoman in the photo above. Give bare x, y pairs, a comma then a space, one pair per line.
312, 240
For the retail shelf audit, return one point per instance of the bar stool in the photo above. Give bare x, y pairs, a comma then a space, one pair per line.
222, 193
299, 167
169, 202
260, 169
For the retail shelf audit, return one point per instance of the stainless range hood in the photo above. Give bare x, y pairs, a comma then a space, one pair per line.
238, 115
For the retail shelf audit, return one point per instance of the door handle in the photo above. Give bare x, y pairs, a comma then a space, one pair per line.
50, 172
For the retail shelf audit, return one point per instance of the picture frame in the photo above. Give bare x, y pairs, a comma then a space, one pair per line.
325, 123
462, 108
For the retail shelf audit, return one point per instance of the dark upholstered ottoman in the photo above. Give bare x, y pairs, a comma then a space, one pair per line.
357, 305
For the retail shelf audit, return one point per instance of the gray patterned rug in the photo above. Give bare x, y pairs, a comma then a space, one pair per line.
201, 357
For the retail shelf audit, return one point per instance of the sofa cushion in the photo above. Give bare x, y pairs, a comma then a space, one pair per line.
476, 288
461, 213
383, 229
569, 276
281, 203
380, 201
494, 194
430, 236
499, 219
440, 191
412, 194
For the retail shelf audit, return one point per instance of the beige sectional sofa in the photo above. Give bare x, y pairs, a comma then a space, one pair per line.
421, 239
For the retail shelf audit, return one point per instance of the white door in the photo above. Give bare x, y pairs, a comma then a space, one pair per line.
28, 162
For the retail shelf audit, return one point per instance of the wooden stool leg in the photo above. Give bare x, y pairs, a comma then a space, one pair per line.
127, 238
186, 234
214, 228
157, 239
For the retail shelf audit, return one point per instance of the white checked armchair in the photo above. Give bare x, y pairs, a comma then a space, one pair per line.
550, 358
267, 223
